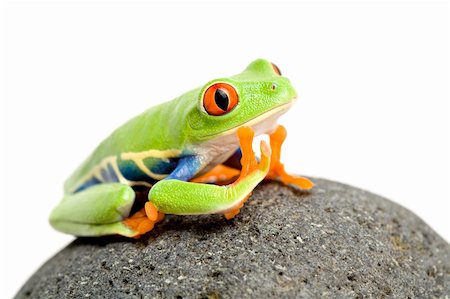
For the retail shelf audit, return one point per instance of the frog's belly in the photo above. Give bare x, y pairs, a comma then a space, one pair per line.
218, 156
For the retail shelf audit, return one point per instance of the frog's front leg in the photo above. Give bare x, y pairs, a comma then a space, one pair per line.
277, 171
174, 196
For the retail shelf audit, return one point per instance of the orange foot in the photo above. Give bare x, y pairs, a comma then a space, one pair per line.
220, 175
277, 171
248, 162
144, 220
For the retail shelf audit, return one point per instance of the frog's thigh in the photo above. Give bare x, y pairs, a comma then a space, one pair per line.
187, 198
95, 211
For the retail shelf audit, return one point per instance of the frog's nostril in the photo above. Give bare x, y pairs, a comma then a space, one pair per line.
274, 86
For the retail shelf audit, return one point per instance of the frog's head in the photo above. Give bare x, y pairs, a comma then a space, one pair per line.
256, 97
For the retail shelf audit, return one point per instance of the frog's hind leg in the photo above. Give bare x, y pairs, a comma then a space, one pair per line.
99, 210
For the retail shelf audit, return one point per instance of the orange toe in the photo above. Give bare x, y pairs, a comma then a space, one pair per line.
160, 217
151, 211
277, 171
145, 226
144, 220
230, 214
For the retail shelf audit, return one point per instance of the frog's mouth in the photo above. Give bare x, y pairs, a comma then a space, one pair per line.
263, 123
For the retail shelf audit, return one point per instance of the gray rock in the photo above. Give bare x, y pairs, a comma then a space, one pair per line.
337, 241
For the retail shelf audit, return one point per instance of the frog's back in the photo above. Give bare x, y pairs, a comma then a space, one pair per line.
142, 151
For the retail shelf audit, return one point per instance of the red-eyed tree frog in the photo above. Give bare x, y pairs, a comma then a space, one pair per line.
176, 150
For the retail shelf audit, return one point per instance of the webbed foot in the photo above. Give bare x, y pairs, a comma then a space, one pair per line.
144, 220
277, 171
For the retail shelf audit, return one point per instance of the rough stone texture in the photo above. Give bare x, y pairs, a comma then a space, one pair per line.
337, 241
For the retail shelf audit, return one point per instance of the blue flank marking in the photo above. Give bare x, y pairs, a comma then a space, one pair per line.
89, 183
131, 172
109, 175
187, 167
162, 167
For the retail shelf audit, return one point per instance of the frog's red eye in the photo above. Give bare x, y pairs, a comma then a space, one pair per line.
276, 69
220, 98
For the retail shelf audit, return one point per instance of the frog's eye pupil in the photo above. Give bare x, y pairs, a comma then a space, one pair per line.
221, 99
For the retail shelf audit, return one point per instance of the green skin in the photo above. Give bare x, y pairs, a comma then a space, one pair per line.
179, 130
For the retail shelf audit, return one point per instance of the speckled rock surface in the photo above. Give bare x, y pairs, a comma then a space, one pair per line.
337, 241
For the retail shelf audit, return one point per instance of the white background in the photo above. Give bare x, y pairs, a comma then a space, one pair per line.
372, 78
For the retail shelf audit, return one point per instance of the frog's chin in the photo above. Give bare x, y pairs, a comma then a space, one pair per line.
262, 124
